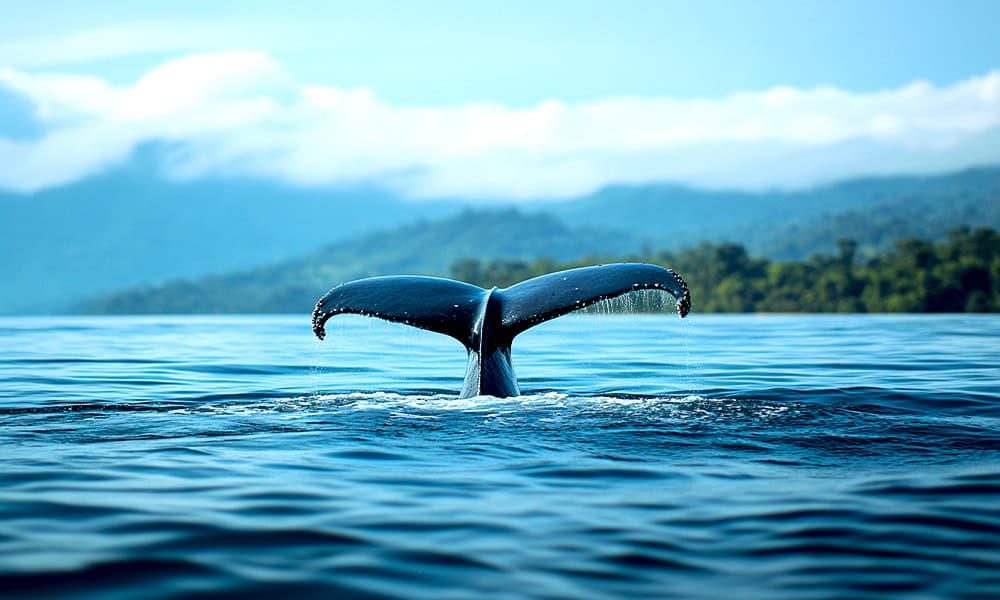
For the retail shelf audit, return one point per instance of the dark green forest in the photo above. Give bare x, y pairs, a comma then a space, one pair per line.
958, 274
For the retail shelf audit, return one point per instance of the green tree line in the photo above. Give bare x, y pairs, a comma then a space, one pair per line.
958, 274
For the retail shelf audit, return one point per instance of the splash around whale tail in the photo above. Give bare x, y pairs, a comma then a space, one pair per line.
486, 321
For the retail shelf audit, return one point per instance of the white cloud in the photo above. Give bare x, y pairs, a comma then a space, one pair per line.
242, 113
114, 40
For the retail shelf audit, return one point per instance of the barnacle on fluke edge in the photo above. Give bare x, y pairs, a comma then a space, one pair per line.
684, 302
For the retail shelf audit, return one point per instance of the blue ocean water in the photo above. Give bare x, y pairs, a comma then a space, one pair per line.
748, 456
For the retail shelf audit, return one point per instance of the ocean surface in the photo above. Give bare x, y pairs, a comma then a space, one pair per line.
716, 456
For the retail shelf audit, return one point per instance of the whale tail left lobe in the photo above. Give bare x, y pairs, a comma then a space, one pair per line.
433, 303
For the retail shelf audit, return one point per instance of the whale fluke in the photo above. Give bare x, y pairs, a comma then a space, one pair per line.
549, 296
440, 305
486, 321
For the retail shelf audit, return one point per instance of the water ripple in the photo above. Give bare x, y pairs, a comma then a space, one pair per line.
818, 458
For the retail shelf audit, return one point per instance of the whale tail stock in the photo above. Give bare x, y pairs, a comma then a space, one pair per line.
486, 321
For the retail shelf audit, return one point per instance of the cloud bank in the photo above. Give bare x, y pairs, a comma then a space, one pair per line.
243, 114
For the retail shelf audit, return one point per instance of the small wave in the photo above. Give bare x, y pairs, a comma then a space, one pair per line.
126, 576
448, 402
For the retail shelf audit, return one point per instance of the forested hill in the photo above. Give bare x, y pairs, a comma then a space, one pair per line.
961, 273
794, 224
958, 274
423, 248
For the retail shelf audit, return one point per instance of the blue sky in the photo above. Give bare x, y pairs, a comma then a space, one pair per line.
526, 52
544, 67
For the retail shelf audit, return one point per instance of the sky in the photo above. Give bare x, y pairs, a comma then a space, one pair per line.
509, 100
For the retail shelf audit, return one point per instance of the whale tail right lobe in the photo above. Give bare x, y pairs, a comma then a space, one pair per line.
549, 296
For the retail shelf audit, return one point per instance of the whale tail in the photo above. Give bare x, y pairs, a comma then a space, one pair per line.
486, 321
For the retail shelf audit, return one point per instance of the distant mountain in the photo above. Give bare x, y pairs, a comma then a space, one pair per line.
427, 248
877, 228
794, 224
132, 226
